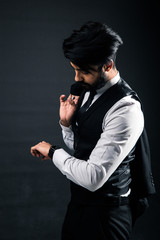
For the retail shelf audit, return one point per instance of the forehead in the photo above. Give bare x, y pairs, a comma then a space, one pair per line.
74, 66
94, 67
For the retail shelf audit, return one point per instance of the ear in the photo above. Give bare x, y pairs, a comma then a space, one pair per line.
108, 66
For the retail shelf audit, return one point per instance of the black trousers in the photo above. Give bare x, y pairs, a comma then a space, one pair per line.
97, 222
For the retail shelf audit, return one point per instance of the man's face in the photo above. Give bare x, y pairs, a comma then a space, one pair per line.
94, 78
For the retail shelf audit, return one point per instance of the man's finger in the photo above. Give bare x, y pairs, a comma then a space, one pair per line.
45, 158
73, 100
62, 98
35, 152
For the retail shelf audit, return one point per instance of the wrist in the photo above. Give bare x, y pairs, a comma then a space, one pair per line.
52, 150
64, 123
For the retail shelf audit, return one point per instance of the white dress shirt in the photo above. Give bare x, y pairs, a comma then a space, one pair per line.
122, 126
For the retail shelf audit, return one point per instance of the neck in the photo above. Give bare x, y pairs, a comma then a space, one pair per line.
105, 77
111, 74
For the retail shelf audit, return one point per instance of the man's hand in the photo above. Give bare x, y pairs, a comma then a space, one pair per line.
67, 109
41, 150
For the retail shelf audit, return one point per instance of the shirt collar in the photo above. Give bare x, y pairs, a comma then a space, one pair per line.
109, 84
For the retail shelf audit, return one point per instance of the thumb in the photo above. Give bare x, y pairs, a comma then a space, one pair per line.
62, 98
45, 158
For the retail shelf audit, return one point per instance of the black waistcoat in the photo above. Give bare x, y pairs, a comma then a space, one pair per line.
88, 132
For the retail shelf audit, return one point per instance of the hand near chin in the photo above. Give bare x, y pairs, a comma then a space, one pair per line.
67, 109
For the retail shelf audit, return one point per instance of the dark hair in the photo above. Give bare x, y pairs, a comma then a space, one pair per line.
93, 44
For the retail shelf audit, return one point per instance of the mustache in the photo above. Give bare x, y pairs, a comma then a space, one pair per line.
78, 87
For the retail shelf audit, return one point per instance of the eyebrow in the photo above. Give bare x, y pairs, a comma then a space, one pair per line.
84, 70
80, 70
77, 69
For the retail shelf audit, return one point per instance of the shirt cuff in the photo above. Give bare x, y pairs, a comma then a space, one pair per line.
66, 129
59, 158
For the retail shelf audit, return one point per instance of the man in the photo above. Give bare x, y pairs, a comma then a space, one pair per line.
101, 122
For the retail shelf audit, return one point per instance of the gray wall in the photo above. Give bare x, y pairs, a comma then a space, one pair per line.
33, 73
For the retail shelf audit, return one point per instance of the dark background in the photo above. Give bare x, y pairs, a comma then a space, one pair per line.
33, 73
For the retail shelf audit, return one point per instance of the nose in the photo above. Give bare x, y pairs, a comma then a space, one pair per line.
78, 76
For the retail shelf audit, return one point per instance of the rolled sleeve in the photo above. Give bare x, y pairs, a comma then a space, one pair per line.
68, 136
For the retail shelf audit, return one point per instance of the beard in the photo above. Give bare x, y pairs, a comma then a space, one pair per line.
78, 87
101, 81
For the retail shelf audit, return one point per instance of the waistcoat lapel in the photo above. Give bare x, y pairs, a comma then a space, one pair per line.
107, 97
